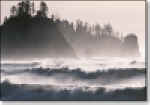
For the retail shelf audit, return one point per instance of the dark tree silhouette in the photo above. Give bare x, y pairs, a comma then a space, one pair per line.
108, 29
79, 25
32, 7
43, 9
13, 11
20, 8
98, 30
24, 8
5, 19
28, 7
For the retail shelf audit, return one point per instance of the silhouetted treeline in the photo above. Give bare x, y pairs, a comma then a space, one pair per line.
32, 34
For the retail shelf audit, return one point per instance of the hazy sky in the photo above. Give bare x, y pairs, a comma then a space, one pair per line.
125, 16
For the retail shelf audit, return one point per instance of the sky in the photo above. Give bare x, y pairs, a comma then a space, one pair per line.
124, 16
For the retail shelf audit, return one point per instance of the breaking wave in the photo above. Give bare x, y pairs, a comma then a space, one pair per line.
64, 77
100, 78
89, 65
39, 92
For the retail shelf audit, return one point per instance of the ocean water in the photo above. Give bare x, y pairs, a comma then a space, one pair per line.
88, 65
109, 73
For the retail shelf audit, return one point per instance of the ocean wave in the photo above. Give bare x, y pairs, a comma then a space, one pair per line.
89, 65
64, 77
32, 92
79, 73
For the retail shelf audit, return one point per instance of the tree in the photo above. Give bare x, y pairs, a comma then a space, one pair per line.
43, 9
24, 8
108, 29
20, 9
13, 11
98, 30
5, 19
79, 25
33, 9
53, 17
27, 7
85, 27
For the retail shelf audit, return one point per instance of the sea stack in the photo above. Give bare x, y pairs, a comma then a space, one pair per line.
130, 46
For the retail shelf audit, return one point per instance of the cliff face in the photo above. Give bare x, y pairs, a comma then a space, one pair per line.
33, 38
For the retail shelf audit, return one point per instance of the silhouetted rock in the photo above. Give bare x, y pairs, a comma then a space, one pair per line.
130, 46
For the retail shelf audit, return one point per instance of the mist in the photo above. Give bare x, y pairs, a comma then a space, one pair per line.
56, 8
73, 50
